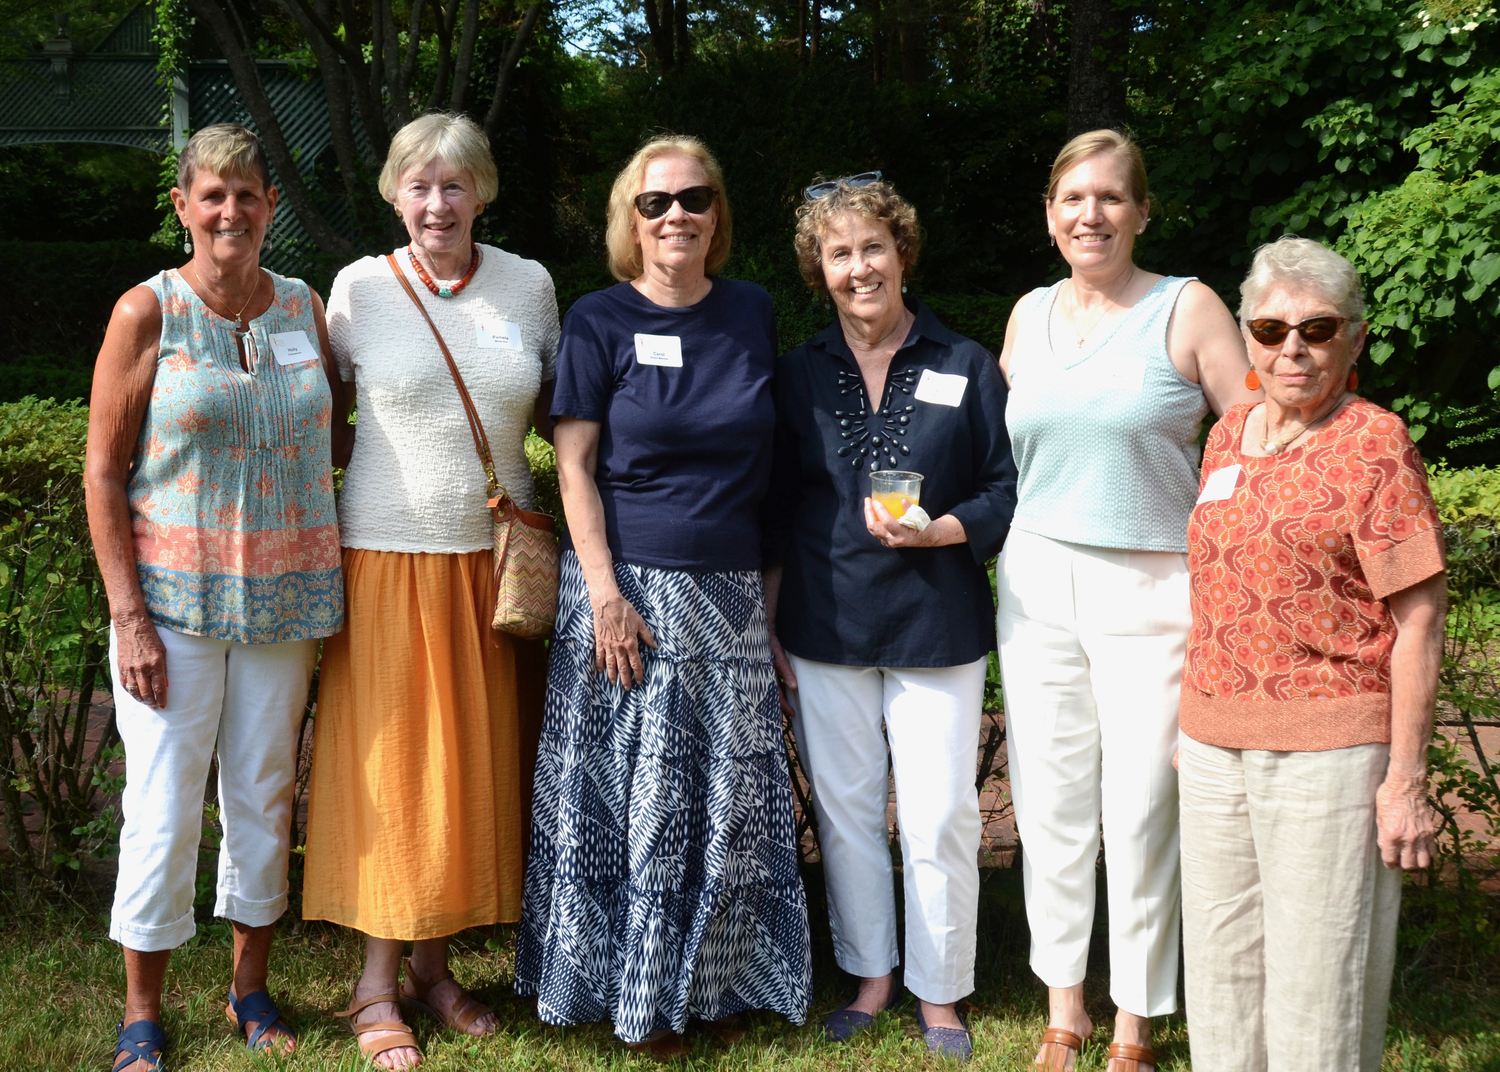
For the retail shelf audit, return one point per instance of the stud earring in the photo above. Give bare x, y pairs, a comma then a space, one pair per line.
1252, 381
1353, 380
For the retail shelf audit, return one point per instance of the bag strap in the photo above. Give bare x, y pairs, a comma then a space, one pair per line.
481, 441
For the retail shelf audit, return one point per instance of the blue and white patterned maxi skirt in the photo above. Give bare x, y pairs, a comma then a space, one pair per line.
662, 881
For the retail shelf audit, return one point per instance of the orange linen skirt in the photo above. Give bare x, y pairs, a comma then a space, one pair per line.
425, 745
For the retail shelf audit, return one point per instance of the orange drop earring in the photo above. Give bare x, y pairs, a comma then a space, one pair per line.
1353, 380
1252, 381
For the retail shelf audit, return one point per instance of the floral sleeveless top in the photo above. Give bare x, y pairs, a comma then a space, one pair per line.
231, 498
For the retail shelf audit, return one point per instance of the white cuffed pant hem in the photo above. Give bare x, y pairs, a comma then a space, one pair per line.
153, 939
250, 913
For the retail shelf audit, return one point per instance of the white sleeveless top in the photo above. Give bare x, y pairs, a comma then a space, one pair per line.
1105, 437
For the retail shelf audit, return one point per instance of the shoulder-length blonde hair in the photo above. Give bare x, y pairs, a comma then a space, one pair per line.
619, 235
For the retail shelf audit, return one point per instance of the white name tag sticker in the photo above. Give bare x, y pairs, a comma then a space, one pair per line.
293, 348
1220, 484
664, 350
496, 334
940, 388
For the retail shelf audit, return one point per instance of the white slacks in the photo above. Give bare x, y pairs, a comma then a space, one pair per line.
244, 701
1289, 915
1091, 649
931, 718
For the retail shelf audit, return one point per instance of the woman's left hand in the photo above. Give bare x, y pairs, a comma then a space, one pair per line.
1404, 827
890, 532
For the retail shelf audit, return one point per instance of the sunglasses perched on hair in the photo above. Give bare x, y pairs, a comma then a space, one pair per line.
823, 189
1315, 330
654, 204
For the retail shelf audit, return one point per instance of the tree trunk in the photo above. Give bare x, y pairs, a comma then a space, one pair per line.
247, 79
508, 66
659, 21
802, 33
337, 90
680, 30
913, 42
1096, 66
817, 31
447, 20
464, 65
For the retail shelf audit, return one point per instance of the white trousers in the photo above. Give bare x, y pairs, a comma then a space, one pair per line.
1289, 915
931, 718
244, 701
1091, 649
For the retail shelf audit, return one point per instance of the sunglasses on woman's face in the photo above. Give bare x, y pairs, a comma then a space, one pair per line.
1315, 330
823, 189
654, 204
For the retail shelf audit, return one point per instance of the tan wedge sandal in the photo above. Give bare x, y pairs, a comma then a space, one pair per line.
1062, 1042
464, 1013
1132, 1058
373, 1048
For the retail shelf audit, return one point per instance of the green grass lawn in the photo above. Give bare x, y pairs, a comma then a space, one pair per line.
62, 982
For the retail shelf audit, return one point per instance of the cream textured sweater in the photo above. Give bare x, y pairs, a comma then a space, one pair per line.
415, 483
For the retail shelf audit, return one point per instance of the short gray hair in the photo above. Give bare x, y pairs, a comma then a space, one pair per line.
455, 139
1301, 263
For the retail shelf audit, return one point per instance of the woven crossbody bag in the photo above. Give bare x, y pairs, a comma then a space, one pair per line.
526, 554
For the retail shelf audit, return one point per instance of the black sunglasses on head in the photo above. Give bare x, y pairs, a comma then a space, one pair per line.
823, 189
1315, 330
654, 204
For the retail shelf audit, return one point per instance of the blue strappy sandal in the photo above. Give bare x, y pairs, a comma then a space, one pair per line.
257, 1008
143, 1040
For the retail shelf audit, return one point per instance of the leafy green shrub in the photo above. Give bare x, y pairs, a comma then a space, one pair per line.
1450, 905
54, 627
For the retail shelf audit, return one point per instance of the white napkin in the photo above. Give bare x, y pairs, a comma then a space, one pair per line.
915, 518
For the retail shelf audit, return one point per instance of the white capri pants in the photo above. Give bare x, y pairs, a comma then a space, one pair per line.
1289, 915
244, 701
1091, 648
931, 718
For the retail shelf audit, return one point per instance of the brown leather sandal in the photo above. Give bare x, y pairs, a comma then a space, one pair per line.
464, 1013
1133, 1058
373, 1048
1061, 1041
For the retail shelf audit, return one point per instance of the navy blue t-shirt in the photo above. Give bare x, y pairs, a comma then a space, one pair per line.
684, 448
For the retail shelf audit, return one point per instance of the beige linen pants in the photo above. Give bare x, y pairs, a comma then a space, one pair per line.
1289, 916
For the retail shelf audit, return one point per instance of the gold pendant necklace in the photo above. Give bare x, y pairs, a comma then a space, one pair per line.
1109, 304
238, 321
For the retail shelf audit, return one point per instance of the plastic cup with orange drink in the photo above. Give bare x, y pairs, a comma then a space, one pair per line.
896, 490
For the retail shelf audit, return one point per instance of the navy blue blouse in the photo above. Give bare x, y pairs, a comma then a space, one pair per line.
845, 598
686, 427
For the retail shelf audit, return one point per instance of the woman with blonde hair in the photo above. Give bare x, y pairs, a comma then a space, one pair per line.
662, 882
209, 484
427, 717
1111, 371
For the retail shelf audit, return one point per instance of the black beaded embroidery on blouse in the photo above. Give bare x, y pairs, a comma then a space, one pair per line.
859, 442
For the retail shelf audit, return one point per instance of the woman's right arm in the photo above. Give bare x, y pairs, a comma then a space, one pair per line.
123, 378
1010, 340
618, 626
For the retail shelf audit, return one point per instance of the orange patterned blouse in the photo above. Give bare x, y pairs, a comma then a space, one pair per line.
1292, 558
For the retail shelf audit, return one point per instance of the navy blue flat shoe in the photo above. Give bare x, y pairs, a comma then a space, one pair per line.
843, 1024
954, 1042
